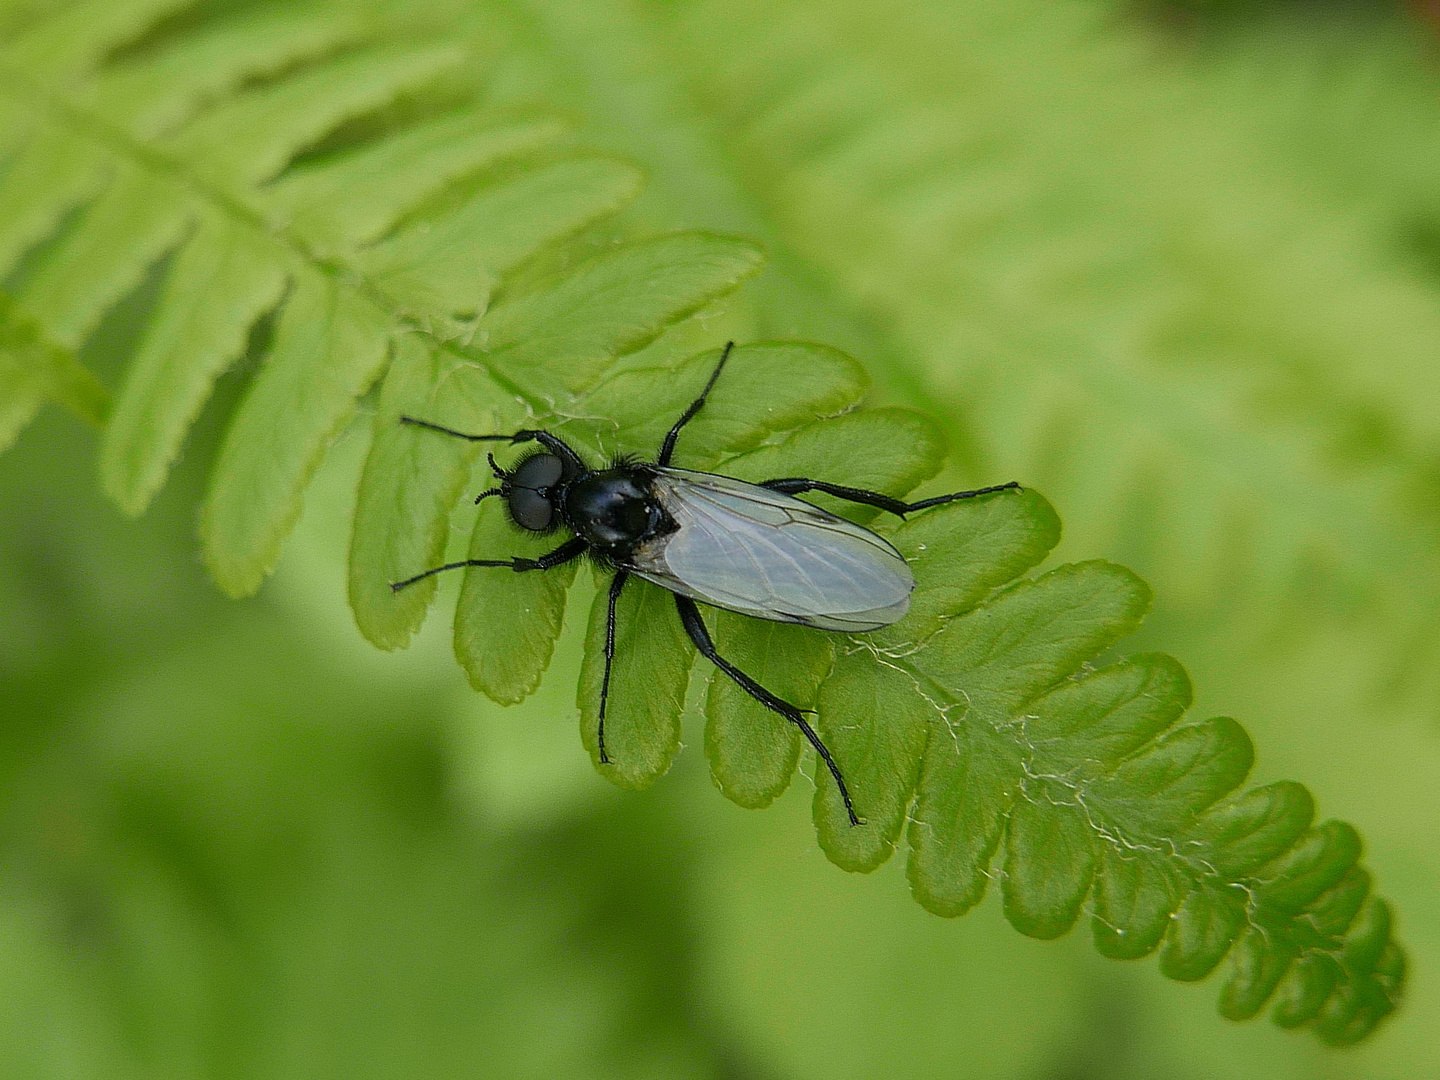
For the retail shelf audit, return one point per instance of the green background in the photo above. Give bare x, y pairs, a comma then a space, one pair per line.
1177, 268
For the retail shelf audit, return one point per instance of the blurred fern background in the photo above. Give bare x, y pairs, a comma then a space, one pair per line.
1176, 267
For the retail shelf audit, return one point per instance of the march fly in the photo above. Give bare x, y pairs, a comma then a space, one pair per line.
751, 548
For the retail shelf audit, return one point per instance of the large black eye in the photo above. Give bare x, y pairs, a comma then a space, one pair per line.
531, 510
540, 471
530, 503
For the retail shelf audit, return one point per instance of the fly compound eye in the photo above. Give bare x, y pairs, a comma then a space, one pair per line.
538, 471
529, 491
531, 510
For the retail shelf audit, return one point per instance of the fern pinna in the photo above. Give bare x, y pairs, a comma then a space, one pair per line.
312, 173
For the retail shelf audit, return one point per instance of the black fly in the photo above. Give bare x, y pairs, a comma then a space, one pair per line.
751, 548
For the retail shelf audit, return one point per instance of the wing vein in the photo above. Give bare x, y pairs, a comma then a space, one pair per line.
752, 550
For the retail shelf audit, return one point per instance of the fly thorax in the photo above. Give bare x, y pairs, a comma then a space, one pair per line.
613, 510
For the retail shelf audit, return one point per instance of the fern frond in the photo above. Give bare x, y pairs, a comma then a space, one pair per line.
977, 729
121, 154
340, 187
33, 370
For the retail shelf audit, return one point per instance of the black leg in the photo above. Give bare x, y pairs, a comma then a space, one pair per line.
700, 635
551, 442
796, 485
571, 549
667, 448
616, 584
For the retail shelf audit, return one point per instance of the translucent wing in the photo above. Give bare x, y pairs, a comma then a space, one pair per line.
761, 553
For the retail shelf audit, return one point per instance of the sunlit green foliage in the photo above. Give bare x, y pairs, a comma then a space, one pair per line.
340, 192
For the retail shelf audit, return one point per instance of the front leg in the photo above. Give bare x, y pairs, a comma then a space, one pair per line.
700, 635
571, 549
798, 485
553, 443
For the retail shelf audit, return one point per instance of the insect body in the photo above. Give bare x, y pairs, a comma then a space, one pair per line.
750, 548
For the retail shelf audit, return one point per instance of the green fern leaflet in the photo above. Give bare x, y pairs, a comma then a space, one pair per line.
314, 179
